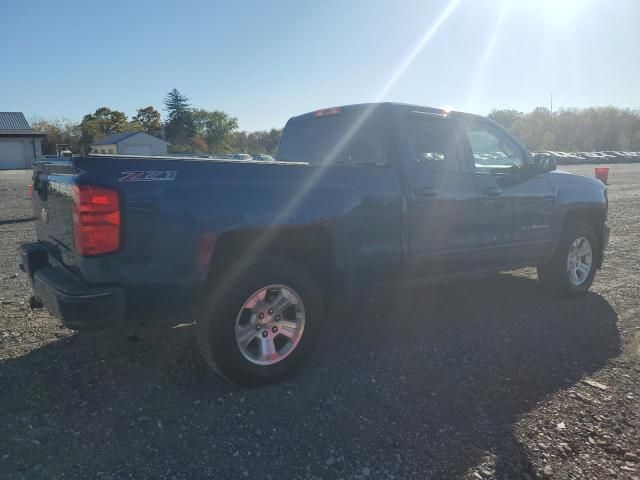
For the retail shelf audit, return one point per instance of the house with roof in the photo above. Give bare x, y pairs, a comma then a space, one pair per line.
19, 143
130, 143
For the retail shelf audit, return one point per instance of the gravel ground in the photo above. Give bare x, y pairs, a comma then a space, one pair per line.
478, 379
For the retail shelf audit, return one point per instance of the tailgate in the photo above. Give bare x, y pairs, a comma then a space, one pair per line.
52, 206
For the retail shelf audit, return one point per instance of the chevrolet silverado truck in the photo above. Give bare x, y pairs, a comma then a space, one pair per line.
358, 196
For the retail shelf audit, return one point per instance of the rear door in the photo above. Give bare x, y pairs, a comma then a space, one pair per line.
516, 205
355, 148
442, 196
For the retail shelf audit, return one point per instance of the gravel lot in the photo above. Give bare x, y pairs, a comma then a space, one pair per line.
477, 379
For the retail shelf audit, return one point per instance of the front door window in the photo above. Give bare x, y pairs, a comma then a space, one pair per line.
493, 151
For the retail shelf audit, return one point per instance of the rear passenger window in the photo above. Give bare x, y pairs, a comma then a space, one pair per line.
432, 143
351, 136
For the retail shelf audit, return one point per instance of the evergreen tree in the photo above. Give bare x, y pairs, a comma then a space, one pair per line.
179, 127
177, 106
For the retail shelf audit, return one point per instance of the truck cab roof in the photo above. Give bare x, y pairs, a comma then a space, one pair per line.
374, 105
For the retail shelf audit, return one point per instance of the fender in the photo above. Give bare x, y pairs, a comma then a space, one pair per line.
576, 196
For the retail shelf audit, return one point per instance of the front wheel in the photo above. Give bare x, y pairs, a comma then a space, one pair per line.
260, 327
572, 268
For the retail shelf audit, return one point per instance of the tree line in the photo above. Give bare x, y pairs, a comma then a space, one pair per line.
574, 129
189, 130
200, 131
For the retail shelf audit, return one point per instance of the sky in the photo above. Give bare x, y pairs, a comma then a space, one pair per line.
265, 61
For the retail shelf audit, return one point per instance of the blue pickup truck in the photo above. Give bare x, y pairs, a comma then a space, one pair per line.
358, 196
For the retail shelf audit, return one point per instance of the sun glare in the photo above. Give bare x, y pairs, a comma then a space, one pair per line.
417, 49
477, 85
560, 12
317, 175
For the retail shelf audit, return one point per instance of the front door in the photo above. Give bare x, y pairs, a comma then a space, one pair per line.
442, 197
515, 205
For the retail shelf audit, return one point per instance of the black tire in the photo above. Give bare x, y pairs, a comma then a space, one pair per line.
553, 275
225, 299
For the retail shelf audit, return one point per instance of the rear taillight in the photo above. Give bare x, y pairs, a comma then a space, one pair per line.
96, 220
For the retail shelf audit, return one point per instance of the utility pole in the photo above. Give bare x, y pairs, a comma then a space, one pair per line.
551, 120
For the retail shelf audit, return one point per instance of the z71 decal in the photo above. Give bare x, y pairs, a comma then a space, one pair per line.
148, 176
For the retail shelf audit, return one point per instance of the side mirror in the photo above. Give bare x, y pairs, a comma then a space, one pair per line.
549, 163
544, 162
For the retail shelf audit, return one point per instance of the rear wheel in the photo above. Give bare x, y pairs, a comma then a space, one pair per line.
260, 327
572, 268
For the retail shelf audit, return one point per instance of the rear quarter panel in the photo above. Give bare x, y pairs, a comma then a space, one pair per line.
168, 223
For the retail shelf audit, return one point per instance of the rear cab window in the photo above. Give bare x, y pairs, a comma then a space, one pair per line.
355, 135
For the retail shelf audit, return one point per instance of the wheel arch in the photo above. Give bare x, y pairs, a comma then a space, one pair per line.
310, 247
592, 215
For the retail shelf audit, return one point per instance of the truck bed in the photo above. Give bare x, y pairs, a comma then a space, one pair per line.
173, 210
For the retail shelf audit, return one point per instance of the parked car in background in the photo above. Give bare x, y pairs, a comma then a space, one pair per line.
359, 196
241, 156
264, 158
592, 156
576, 158
626, 156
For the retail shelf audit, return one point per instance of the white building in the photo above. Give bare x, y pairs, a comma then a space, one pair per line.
19, 144
130, 143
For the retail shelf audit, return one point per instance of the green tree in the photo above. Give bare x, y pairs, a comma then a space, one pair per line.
240, 142
271, 140
507, 118
58, 131
215, 128
177, 106
257, 142
101, 123
199, 145
535, 129
147, 120
179, 126
574, 129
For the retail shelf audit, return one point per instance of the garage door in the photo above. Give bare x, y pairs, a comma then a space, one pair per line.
12, 155
135, 150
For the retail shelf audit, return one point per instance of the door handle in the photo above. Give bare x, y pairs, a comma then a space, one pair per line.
427, 191
492, 191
